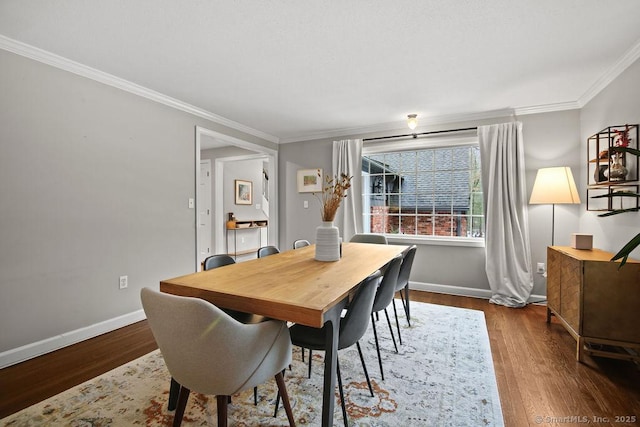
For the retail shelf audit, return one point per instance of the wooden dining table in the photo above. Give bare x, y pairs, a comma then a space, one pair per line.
292, 286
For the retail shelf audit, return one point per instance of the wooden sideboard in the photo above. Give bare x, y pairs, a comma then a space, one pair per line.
597, 303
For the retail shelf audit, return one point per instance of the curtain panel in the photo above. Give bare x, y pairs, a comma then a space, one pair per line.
508, 253
347, 159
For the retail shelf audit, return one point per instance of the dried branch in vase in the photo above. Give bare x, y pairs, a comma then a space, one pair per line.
333, 191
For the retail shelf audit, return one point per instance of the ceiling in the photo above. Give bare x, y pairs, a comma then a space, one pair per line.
296, 70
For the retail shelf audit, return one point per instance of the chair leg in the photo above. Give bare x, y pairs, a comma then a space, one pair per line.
375, 335
405, 303
255, 396
391, 330
275, 411
302, 351
285, 398
174, 390
182, 404
364, 367
344, 407
395, 313
222, 410
310, 352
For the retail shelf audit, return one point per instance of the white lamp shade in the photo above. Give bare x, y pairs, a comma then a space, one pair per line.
554, 186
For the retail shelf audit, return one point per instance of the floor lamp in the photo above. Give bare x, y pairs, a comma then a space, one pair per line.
554, 186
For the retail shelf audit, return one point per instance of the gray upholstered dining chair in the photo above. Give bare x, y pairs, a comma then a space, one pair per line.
369, 238
267, 250
221, 360
384, 297
211, 262
217, 260
403, 286
353, 325
300, 243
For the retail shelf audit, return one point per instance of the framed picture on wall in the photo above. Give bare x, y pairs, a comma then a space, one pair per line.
243, 192
309, 180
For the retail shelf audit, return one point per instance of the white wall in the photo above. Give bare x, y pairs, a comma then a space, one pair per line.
94, 184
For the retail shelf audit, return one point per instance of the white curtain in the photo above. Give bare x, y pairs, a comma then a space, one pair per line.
347, 159
508, 263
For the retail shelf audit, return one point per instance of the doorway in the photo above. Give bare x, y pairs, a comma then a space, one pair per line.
206, 138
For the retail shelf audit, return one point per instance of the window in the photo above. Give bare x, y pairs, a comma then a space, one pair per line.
434, 191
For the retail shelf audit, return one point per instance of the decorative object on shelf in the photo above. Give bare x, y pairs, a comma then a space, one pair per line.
243, 192
622, 185
231, 221
554, 186
605, 153
601, 172
327, 235
602, 168
582, 241
309, 180
617, 171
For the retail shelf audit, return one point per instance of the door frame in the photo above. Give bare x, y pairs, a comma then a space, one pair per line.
218, 215
209, 216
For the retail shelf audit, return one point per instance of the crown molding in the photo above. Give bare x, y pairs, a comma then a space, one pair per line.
547, 108
60, 62
611, 74
66, 64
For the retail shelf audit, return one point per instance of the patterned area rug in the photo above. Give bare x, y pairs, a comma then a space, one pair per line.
443, 375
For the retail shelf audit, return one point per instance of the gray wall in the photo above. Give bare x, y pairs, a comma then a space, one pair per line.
94, 184
551, 139
617, 104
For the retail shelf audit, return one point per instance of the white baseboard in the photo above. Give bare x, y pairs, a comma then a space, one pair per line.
29, 351
463, 291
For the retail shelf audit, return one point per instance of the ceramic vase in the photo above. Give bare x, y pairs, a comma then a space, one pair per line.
327, 242
617, 171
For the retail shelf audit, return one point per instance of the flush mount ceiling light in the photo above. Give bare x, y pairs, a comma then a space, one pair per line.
412, 121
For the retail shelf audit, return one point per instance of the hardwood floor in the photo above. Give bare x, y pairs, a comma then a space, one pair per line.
535, 365
32, 381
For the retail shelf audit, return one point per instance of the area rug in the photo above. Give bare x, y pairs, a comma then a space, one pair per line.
443, 375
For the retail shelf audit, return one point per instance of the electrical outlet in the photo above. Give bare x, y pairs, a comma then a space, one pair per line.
540, 268
124, 282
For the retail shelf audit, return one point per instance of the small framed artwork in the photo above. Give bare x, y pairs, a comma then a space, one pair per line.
244, 192
309, 180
